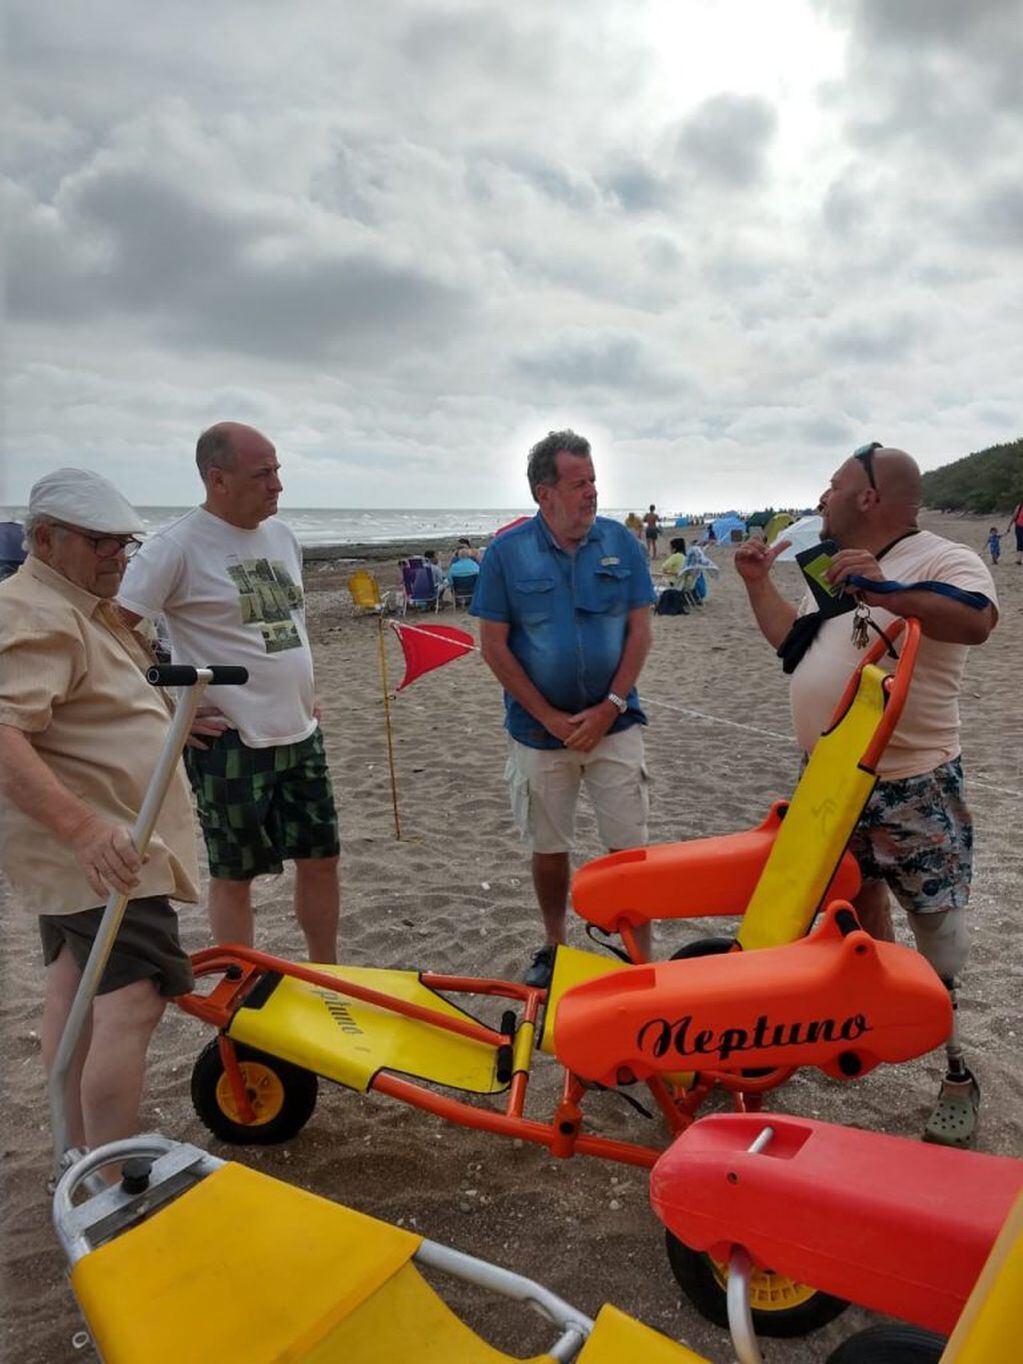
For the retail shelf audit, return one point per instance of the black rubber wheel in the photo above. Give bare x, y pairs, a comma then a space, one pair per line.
282, 1095
781, 1306
703, 947
895, 1344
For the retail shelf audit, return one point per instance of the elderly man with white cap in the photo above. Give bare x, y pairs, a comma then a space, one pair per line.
80, 734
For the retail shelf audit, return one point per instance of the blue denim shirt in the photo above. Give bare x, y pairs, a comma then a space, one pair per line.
568, 615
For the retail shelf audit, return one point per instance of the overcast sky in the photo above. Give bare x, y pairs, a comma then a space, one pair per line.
728, 240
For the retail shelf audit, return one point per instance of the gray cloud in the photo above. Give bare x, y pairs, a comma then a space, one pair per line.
727, 139
397, 236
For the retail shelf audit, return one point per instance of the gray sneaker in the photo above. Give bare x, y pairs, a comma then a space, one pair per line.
539, 974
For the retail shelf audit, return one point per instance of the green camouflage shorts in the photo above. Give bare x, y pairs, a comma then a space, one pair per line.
917, 835
262, 806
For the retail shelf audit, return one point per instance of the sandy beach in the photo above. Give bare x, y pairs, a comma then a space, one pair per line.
454, 895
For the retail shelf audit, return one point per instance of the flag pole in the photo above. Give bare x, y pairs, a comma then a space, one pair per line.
387, 726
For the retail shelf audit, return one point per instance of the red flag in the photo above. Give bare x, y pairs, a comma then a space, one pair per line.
430, 646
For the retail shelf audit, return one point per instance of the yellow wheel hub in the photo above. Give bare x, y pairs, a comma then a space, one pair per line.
769, 1292
265, 1091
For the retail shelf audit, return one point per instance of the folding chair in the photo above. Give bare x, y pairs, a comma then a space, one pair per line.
368, 599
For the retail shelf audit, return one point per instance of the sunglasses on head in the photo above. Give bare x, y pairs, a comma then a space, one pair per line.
865, 455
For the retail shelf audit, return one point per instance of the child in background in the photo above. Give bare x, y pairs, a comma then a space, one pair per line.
994, 544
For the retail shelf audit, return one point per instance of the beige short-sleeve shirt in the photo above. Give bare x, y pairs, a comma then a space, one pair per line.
71, 679
927, 735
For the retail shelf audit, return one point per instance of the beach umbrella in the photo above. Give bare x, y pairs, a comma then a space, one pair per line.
802, 533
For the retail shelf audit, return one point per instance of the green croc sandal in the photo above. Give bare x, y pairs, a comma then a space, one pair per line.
954, 1120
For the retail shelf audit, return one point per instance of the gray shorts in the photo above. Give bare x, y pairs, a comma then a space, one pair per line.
147, 946
543, 784
916, 834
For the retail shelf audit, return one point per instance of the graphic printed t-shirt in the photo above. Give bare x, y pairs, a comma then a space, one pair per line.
233, 596
928, 732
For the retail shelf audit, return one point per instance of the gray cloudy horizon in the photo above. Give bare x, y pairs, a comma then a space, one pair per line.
728, 242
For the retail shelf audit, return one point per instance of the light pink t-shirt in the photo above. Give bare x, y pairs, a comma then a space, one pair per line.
928, 733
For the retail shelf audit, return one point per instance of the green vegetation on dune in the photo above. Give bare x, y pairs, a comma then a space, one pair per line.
988, 481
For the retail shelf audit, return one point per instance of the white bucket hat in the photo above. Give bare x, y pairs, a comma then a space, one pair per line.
83, 499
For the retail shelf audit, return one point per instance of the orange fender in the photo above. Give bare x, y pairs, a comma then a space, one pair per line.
700, 878
893, 1224
838, 1000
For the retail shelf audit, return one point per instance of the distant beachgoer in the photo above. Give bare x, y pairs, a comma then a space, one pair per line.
915, 838
673, 564
633, 523
464, 550
695, 558
227, 578
652, 528
564, 606
1016, 524
12, 548
81, 732
711, 537
994, 544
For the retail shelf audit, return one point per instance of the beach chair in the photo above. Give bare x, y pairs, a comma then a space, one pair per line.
163, 1274
423, 590
928, 1234
368, 599
686, 584
462, 585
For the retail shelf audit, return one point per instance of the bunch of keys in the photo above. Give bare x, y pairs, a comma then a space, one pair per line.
861, 619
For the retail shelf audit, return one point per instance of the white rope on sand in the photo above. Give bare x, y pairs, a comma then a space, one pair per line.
732, 724
718, 720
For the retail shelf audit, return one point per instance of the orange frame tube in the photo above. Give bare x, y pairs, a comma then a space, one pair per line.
243, 967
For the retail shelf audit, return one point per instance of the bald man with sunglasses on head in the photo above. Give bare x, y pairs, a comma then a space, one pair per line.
915, 838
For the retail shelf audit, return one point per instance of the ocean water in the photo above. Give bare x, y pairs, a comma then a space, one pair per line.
366, 526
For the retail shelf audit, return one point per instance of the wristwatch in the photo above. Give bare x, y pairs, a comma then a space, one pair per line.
620, 705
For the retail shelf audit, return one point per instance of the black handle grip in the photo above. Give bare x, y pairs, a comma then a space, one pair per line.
180, 675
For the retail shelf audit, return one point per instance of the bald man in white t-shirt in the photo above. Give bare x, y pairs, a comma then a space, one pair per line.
915, 838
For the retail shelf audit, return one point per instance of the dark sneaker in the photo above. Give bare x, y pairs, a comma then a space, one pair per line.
539, 974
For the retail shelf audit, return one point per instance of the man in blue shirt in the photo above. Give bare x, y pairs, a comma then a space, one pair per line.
564, 604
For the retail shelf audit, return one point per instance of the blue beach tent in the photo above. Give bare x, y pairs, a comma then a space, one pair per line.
724, 525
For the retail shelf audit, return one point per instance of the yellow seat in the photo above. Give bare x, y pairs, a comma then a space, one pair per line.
303, 1024
825, 809
620, 1339
244, 1268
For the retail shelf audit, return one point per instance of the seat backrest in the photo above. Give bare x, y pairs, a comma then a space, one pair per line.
422, 587
365, 590
826, 805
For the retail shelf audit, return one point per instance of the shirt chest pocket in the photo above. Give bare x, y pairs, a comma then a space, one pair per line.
534, 600
607, 592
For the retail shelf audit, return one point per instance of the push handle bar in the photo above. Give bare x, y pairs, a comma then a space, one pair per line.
179, 675
197, 680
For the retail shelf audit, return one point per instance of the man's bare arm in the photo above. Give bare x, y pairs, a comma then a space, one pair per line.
940, 617
774, 615
102, 848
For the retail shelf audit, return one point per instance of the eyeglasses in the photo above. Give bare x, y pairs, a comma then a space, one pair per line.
865, 455
106, 546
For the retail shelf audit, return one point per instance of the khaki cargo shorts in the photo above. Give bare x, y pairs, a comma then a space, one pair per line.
543, 784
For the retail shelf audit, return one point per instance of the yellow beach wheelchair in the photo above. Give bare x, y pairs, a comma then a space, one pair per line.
194, 1259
